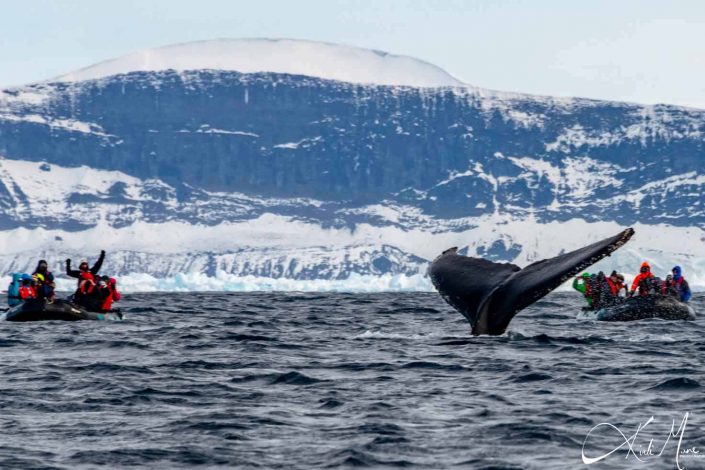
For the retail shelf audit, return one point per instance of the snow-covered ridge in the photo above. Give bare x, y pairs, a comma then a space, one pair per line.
295, 57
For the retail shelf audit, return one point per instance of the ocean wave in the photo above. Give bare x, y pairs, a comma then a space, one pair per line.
678, 383
392, 335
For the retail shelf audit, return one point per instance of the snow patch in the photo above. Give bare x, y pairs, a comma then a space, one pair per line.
223, 131
652, 125
305, 143
664, 187
45, 188
582, 176
70, 125
21, 96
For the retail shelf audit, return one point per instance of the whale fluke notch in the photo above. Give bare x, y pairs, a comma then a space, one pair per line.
490, 294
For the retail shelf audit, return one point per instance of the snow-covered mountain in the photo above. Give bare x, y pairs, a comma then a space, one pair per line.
299, 160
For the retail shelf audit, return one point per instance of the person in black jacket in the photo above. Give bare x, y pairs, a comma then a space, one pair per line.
44, 280
83, 267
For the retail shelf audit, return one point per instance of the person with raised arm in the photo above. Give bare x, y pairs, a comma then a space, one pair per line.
83, 268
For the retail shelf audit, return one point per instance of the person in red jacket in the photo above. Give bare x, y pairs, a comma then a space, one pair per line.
86, 288
644, 274
108, 292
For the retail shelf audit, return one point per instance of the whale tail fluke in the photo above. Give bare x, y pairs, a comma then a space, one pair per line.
490, 294
464, 282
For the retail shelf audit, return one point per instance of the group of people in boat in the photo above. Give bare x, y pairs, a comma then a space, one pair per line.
93, 292
603, 291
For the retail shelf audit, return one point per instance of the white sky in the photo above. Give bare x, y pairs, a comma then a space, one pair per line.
645, 51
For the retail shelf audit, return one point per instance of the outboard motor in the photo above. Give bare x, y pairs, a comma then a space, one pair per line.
13, 291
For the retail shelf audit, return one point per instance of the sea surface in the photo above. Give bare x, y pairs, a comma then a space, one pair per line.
306, 381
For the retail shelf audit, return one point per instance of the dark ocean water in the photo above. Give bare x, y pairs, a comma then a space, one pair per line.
289, 380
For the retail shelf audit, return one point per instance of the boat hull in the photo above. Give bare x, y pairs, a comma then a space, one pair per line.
62, 310
642, 308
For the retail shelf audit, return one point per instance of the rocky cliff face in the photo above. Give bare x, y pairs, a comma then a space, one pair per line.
208, 147
451, 151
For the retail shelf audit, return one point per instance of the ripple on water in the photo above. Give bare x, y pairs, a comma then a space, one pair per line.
531, 377
678, 383
359, 458
293, 378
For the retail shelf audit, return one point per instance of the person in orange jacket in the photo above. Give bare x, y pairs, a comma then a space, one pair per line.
616, 283
644, 274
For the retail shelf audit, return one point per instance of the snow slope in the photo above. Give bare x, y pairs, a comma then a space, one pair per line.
295, 57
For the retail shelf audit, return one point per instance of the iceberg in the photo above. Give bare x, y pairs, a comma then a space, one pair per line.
224, 282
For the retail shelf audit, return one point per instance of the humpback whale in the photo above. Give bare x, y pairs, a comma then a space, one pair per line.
490, 294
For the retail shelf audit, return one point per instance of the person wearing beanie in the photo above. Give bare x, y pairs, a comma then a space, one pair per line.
83, 267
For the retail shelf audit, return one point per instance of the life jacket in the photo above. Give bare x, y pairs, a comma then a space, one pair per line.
620, 286
588, 287
614, 286
83, 275
86, 284
27, 292
13, 290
